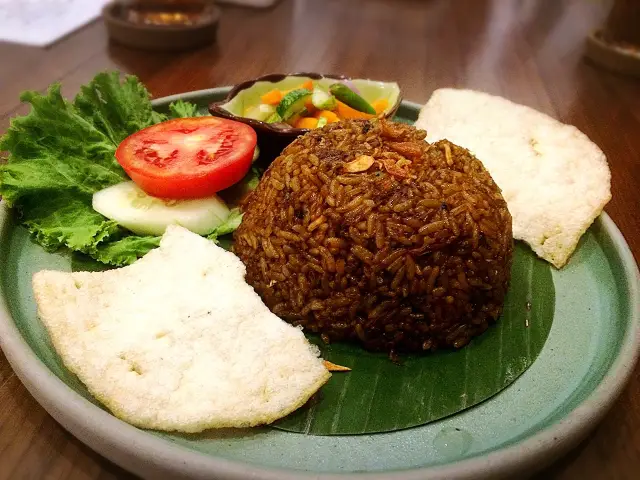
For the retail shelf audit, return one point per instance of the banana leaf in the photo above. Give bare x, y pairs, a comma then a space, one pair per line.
379, 395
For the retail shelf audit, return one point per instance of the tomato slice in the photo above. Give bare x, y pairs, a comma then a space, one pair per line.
188, 157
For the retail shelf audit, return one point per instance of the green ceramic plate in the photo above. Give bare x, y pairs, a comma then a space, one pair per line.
588, 356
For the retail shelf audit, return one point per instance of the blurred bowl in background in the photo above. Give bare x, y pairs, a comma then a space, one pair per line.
162, 25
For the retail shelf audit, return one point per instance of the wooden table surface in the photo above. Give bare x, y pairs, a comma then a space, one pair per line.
528, 51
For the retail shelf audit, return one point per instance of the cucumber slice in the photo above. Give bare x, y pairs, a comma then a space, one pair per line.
256, 154
297, 116
260, 112
351, 98
130, 207
275, 118
322, 121
323, 100
292, 103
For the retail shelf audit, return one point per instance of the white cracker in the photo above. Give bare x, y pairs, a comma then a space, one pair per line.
554, 179
178, 340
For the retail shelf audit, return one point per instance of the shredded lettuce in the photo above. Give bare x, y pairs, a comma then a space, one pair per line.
62, 152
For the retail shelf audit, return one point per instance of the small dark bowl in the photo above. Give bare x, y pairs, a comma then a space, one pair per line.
273, 137
612, 57
163, 37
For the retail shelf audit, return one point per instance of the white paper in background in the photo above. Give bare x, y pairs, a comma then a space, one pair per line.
42, 22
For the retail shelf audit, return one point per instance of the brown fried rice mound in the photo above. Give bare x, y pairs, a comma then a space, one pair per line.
363, 231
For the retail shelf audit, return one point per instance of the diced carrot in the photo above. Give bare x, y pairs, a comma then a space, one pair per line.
308, 85
380, 105
272, 97
328, 114
309, 106
307, 122
345, 111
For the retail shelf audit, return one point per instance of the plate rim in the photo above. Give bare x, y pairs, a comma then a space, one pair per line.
141, 452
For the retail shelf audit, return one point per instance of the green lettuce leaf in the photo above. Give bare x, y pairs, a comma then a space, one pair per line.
229, 226
66, 219
181, 109
62, 152
158, 117
253, 177
49, 151
115, 109
124, 251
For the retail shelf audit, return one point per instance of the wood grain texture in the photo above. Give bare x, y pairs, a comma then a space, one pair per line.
528, 51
